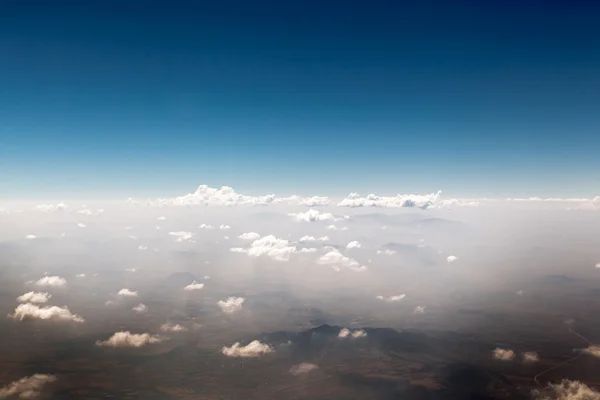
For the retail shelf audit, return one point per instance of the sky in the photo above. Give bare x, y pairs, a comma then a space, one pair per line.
111, 100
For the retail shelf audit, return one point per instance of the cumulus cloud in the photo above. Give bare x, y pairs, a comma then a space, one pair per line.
34, 297
353, 245
419, 310
81, 225
362, 268
128, 339
173, 328
194, 286
86, 211
531, 357
451, 259
344, 333
392, 298
275, 248
80, 276
141, 247
52, 207
182, 236
231, 304
224, 227
127, 293
592, 350
140, 308
314, 239
308, 201
30, 237
206, 226
312, 215
303, 368
161, 218
566, 390
225, 196
335, 228
28, 387
503, 354
30, 311
253, 349
249, 236
386, 252
55, 281
335, 257
411, 200
308, 250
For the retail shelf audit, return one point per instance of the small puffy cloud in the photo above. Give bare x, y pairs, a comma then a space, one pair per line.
223, 227
253, 349
231, 305
140, 308
344, 333
314, 201
141, 247
34, 297
308, 250
127, 293
30, 237
26, 388
55, 281
451, 259
80, 276
503, 354
592, 350
353, 245
303, 368
312, 215
399, 201
386, 252
334, 257
86, 211
81, 225
314, 239
225, 196
206, 226
161, 218
52, 207
173, 328
392, 298
332, 227
133, 237
182, 236
31, 311
362, 268
194, 286
249, 236
566, 390
128, 339
130, 269
128, 228
275, 248
531, 357
419, 310
336, 268
598, 265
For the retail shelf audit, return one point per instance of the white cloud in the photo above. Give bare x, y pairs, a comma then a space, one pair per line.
128, 339
313, 239
80, 276
249, 236
194, 286
173, 328
81, 225
353, 245
333, 256
503, 354
140, 247
411, 200
451, 259
344, 333
55, 281
140, 308
32, 311
303, 368
231, 305
253, 349
182, 236
598, 265
311, 201
224, 227
86, 211
362, 268
34, 297
419, 310
275, 248
161, 218
332, 227
312, 215
336, 268
30, 237
592, 350
130, 269
28, 387
206, 226
386, 252
531, 357
133, 237
308, 250
127, 293
128, 228
225, 196
566, 390
392, 298
52, 207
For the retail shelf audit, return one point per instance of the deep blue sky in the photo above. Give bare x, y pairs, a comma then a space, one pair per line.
112, 99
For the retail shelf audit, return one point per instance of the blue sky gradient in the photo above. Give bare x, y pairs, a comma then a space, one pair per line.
117, 99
